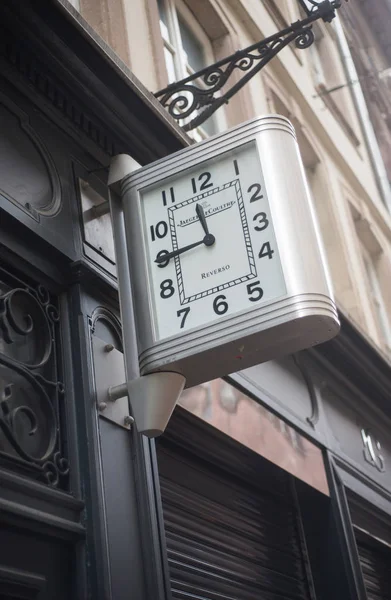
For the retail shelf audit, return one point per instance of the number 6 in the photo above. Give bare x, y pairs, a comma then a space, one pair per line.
219, 306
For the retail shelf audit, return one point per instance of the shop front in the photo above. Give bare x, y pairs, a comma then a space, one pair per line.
272, 483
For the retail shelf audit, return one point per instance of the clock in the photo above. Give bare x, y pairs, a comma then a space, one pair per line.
210, 244
226, 263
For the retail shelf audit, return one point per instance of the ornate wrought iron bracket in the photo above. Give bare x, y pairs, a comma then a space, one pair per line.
184, 98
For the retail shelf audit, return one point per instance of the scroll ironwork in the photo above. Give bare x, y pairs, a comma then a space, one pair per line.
31, 392
201, 93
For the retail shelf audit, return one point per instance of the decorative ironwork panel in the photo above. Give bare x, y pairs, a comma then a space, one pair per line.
200, 94
31, 391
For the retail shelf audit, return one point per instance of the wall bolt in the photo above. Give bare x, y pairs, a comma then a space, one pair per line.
109, 347
128, 420
102, 406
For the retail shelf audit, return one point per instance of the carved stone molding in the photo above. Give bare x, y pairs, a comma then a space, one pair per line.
47, 85
111, 326
31, 392
306, 375
29, 177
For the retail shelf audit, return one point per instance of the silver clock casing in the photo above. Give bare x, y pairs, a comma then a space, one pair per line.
303, 316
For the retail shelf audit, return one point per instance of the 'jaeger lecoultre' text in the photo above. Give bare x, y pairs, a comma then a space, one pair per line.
208, 212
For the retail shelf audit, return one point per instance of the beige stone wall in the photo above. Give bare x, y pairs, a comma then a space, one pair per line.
295, 84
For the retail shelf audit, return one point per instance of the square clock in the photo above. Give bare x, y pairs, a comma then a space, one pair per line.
226, 263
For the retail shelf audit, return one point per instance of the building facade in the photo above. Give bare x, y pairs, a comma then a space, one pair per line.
274, 482
367, 36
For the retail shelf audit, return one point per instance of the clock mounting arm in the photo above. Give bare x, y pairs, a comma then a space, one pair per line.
199, 95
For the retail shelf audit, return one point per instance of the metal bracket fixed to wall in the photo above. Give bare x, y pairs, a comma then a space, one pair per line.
152, 397
109, 368
121, 165
101, 209
147, 401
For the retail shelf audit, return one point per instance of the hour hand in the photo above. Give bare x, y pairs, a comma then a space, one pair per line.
202, 218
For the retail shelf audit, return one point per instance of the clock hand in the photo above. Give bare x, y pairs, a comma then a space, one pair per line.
201, 215
208, 240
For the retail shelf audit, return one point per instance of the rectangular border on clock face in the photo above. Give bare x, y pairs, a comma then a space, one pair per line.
246, 233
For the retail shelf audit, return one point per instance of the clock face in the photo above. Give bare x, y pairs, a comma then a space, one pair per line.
210, 243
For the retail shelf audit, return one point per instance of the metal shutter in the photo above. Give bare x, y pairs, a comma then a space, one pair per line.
376, 568
227, 538
375, 556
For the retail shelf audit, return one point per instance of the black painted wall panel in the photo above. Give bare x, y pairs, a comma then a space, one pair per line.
121, 512
29, 555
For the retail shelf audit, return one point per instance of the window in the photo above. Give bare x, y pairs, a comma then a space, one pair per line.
281, 12
330, 80
377, 299
376, 279
187, 49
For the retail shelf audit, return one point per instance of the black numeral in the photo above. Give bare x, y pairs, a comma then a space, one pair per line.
219, 306
204, 178
236, 167
164, 196
262, 221
256, 194
161, 265
184, 312
266, 251
254, 288
166, 288
159, 231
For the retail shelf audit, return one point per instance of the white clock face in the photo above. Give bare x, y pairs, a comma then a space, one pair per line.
220, 209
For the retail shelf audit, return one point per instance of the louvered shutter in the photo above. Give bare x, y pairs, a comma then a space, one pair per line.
376, 568
227, 538
375, 556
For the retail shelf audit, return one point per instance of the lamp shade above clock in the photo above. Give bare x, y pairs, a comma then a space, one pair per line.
226, 261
